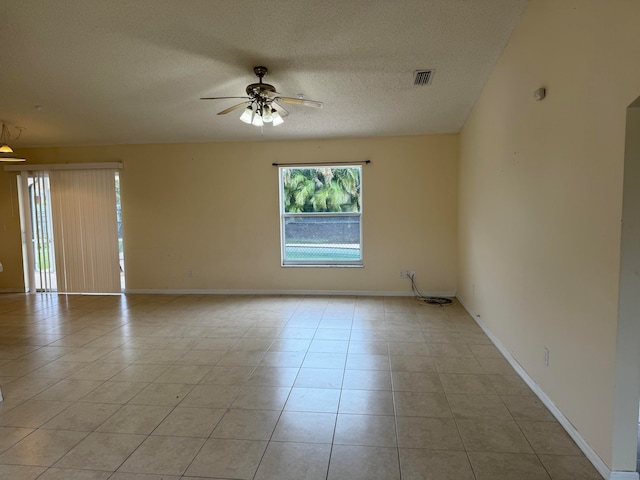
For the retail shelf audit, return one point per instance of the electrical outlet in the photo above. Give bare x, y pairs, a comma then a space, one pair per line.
411, 273
402, 274
546, 357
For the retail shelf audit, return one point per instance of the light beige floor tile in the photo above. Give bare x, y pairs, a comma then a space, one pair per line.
371, 348
365, 361
146, 476
292, 344
335, 334
369, 334
412, 363
459, 350
562, 467
201, 357
324, 360
26, 387
548, 438
527, 408
273, 376
58, 369
406, 335
114, 392
419, 464
457, 365
428, 432
509, 385
69, 390
367, 380
369, 430
161, 356
140, 373
85, 354
42, 448
69, 474
369, 402
261, 398
247, 424
417, 382
211, 396
478, 406
294, 461
306, 427
226, 458
170, 394
313, 400
81, 416
227, 375
163, 455
9, 436
319, 345
191, 374
253, 344
467, 384
363, 463
493, 436
409, 348
496, 366
282, 359
98, 371
242, 358
485, 351
32, 413
20, 472
421, 404
319, 378
101, 451
135, 419
507, 466
190, 422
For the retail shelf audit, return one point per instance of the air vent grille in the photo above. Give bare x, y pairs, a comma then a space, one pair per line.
422, 77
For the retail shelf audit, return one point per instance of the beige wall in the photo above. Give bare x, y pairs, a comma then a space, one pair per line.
541, 198
213, 209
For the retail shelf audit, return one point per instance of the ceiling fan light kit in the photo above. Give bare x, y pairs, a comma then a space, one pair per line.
6, 152
263, 103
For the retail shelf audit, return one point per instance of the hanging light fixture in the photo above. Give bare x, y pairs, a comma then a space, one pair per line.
247, 115
261, 111
6, 152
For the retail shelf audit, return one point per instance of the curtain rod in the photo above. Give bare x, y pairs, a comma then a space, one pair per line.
365, 162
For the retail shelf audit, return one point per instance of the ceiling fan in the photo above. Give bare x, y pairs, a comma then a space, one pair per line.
262, 103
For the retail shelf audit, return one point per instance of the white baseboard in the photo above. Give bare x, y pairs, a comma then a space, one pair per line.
11, 290
359, 293
591, 455
623, 476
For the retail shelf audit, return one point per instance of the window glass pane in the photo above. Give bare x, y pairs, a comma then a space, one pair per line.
321, 189
325, 238
321, 209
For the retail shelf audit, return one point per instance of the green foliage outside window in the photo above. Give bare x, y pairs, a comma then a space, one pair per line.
321, 189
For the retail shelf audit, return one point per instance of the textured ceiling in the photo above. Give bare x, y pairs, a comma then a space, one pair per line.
120, 72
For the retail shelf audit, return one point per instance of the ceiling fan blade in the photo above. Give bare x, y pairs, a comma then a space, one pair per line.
231, 109
280, 109
300, 101
221, 98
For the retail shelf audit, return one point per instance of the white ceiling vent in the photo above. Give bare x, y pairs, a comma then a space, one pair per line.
422, 77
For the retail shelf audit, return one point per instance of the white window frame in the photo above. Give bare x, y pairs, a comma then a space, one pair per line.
284, 215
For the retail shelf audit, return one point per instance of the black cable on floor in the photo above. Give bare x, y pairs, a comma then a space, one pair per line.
441, 301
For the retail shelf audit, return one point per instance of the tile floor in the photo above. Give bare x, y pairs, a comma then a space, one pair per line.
143, 387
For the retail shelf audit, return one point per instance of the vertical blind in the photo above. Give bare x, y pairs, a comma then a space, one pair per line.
83, 207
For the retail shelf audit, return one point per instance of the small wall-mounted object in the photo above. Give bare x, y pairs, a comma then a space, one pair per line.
0, 267
540, 93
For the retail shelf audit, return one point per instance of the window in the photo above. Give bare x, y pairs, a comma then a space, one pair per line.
320, 210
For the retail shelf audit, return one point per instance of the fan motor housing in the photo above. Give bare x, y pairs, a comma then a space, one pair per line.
257, 87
